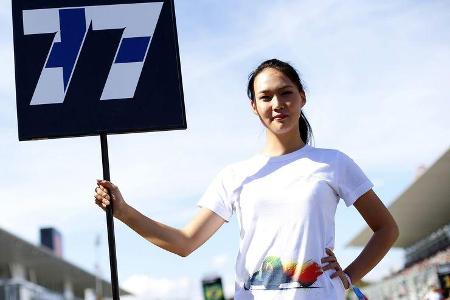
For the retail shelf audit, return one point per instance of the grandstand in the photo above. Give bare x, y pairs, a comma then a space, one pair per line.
32, 272
422, 212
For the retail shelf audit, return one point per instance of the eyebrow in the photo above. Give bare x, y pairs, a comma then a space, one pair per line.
281, 88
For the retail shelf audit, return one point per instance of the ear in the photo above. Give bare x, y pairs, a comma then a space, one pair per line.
253, 105
303, 100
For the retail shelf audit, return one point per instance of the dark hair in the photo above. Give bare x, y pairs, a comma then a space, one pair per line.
289, 71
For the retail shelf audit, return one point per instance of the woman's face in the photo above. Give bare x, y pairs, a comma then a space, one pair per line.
277, 101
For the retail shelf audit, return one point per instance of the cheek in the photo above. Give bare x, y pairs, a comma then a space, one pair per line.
263, 109
256, 107
296, 107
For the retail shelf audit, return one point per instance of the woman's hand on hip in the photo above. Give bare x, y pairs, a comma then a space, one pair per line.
334, 265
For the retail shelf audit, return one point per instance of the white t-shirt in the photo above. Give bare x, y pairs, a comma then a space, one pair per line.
285, 207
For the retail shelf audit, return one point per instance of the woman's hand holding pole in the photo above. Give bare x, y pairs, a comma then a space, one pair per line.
163, 236
179, 241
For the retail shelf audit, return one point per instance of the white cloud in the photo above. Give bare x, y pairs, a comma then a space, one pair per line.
220, 261
145, 287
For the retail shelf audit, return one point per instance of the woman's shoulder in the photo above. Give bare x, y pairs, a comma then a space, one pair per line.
337, 160
325, 154
254, 162
239, 170
321, 155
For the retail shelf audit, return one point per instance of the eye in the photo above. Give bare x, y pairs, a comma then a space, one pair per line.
286, 93
265, 98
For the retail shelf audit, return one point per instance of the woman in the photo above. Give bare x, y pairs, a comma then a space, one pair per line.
285, 200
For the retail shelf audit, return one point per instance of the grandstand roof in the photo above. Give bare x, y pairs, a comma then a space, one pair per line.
422, 208
51, 271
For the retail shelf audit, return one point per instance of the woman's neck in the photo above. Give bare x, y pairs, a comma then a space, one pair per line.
282, 144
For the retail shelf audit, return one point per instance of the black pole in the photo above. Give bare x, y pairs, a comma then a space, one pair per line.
110, 221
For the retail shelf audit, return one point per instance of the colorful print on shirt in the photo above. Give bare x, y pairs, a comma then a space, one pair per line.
276, 275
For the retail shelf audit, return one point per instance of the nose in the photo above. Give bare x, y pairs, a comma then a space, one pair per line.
277, 102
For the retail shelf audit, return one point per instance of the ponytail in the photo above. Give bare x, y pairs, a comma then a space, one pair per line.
305, 129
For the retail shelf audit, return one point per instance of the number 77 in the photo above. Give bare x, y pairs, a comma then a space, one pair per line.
70, 25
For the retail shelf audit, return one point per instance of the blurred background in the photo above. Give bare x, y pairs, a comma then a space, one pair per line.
377, 77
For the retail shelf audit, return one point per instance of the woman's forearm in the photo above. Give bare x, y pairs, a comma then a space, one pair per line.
377, 247
163, 236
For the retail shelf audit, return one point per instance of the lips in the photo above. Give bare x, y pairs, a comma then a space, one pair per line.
279, 117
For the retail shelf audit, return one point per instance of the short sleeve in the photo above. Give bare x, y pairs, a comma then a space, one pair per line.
217, 196
351, 180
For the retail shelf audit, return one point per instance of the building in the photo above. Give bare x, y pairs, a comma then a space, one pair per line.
30, 272
422, 213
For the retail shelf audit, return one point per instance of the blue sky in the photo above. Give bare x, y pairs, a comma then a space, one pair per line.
377, 89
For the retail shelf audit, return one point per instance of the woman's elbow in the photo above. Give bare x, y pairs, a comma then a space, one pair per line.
389, 230
393, 232
396, 231
181, 250
185, 250
184, 253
